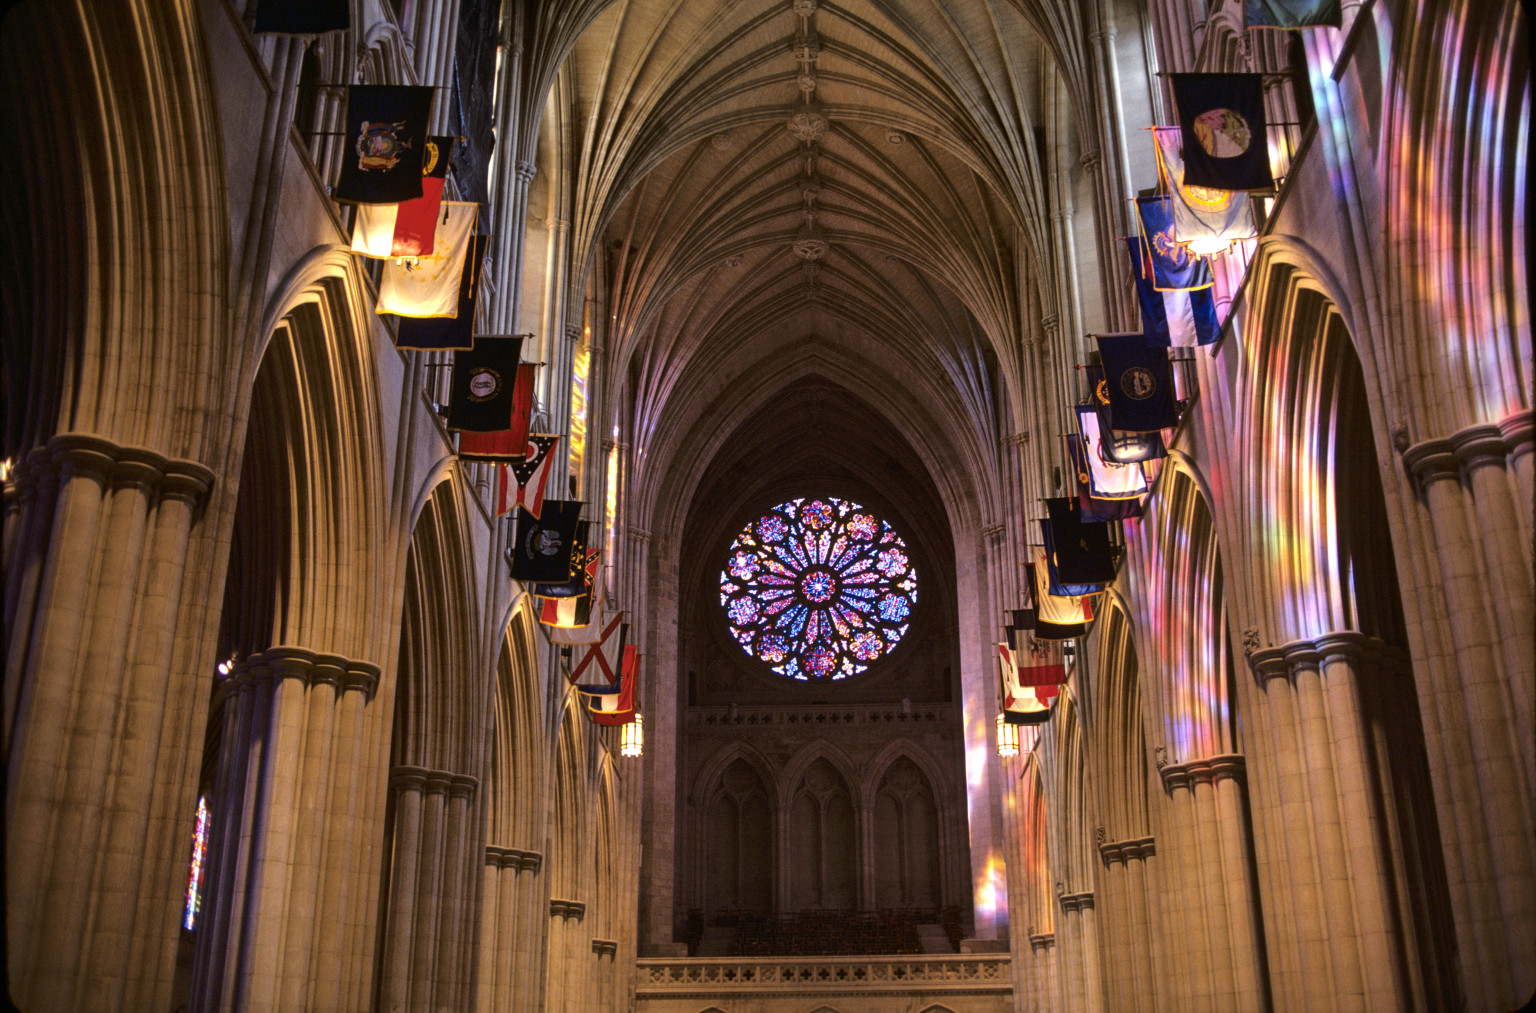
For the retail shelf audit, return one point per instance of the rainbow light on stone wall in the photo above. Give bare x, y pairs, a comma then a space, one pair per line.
195, 867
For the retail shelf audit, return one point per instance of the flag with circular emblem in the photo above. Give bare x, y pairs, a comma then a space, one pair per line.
386, 142
484, 388
1138, 383
1226, 140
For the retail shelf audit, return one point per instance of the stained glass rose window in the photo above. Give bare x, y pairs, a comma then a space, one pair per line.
818, 588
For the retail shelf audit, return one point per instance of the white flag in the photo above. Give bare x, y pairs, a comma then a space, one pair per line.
429, 286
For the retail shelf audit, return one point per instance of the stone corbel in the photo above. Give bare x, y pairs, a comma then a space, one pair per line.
1210, 770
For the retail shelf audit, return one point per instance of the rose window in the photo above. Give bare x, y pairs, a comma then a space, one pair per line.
818, 588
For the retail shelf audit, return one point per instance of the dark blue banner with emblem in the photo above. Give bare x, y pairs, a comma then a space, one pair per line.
302, 17
438, 334
1118, 447
386, 144
542, 546
1292, 14
1138, 383
483, 395
1226, 144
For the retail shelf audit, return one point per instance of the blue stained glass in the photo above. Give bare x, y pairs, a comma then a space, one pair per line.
818, 588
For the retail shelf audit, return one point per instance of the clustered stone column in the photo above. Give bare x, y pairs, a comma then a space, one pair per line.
1474, 673
1125, 931
1332, 841
569, 977
1078, 961
512, 932
289, 880
97, 720
1208, 889
427, 921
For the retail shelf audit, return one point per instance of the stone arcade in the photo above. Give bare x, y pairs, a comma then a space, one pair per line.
841, 251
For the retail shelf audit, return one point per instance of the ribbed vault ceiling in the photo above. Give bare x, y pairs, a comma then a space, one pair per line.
887, 235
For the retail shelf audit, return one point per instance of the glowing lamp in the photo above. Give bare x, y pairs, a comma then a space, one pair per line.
1007, 738
632, 737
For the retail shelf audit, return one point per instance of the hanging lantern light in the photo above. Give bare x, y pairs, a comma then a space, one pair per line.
632, 737
1007, 738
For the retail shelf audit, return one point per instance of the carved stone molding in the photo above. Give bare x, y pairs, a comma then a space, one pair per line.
513, 858
1074, 902
605, 947
526, 171
1301, 655
722, 141
1140, 848
115, 466
572, 333
567, 909
287, 661
435, 782
1519, 432
1478, 446
639, 534
1431, 461
1044, 941
1251, 641
1209, 770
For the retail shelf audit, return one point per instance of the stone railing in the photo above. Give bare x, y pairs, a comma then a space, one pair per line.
745, 716
959, 973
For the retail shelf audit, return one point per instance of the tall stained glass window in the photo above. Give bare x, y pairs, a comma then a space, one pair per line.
818, 588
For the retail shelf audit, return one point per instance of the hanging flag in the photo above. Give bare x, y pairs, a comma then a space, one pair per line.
429, 286
386, 129
1058, 587
1056, 618
1080, 552
302, 17
1173, 268
1292, 14
620, 711
1226, 143
505, 445
1020, 704
1118, 447
1106, 509
406, 229
455, 333
521, 483
1207, 221
583, 577
581, 633
604, 659
1179, 319
1103, 478
1138, 382
541, 546
565, 613
482, 397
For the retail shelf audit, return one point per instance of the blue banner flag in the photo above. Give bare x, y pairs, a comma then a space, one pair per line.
1292, 14
1206, 221
1176, 319
1226, 144
1079, 552
1174, 269
1138, 383
1117, 447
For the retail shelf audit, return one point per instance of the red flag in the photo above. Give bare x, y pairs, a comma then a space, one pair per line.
522, 482
506, 444
626, 702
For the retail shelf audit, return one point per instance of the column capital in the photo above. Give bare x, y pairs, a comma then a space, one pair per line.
525, 170
1431, 461
84, 454
639, 534
1042, 941
330, 669
288, 662
1076, 901
1268, 663
1519, 432
137, 467
403, 777
567, 909
605, 947
186, 480
362, 676
1207, 770
572, 332
1476, 446
462, 786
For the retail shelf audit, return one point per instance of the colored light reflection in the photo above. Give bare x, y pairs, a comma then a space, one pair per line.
195, 867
